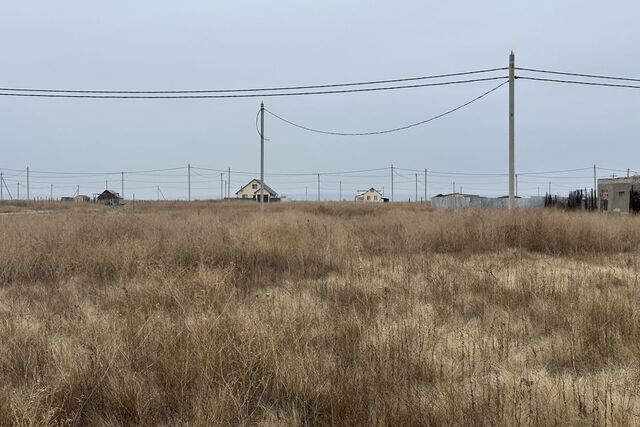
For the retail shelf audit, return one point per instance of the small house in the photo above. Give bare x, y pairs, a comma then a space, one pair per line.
253, 189
81, 198
109, 197
619, 195
370, 195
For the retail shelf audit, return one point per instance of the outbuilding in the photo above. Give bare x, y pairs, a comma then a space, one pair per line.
619, 195
109, 197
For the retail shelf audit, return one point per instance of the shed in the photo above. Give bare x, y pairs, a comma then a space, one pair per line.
109, 197
619, 195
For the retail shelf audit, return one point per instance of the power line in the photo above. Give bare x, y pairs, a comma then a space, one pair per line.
264, 89
250, 95
388, 130
577, 82
593, 76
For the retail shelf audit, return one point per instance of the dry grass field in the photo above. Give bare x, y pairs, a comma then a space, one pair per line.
317, 314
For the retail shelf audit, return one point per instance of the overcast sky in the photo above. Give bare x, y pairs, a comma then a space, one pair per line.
151, 45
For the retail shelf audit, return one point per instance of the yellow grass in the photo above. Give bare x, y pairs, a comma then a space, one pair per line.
210, 314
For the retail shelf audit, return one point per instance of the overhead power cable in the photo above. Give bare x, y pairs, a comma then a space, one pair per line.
248, 95
593, 76
263, 89
397, 129
578, 82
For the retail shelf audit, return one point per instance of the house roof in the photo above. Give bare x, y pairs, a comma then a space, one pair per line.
361, 192
457, 195
108, 193
266, 187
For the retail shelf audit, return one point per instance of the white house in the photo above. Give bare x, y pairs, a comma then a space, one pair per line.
251, 190
370, 195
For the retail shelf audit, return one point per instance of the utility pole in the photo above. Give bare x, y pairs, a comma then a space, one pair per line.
306, 193
318, 187
392, 182
549, 188
340, 199
228, 183
416, 187
262, 156
122, 185
454, 186
158, 194
18, 191
106, 184
516, 185
221, 186
27, 182
1, 189
627, 172
51, 193
77, 190
512, 81
425, 185
595, 185
189, 180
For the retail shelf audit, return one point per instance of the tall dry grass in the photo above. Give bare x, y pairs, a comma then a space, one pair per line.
312, 314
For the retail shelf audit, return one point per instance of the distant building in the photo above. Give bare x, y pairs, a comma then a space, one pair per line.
82, 198
456, 200
109, 197
619, 195
370, 195
67, 199
252, 190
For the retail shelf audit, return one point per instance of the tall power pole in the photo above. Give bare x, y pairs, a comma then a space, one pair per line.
306, 193
425, 185
340, 192
262, 156
228, 182
27, 182
18, 198
51, 193
1, 184
221, 185
392, 182
416, 187
595, 185
512, 81
189, 181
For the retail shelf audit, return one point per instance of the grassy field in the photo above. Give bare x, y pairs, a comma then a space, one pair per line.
317, 314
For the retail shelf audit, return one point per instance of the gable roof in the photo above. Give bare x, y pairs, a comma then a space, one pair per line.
373, 190
268, 189
108, 194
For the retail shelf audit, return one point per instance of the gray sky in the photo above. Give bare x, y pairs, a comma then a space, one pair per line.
229, 44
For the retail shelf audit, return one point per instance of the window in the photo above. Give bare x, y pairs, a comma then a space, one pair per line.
368, 197
375, 197
620, 193
254, 186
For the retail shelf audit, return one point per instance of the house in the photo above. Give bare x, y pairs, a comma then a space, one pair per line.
81, 198
370, 195
109, 197
252, 190
619, 195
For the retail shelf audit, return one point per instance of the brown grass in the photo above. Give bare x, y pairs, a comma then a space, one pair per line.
210, 313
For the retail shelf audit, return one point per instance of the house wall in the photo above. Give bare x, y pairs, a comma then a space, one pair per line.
371, 194
247, 191
614, 197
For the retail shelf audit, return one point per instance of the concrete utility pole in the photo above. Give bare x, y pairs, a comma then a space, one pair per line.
27, 182
306, 194
549, 188
512, 81
189, 181
77, 190
18, 198
416, 187
51, 193
221, 185
106, 184
122, 185
595, 186
262, 156
516, 185
627, 172
425, 185
158, 194
1, 189
318, 187
228, 183
392, 182
454, 186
